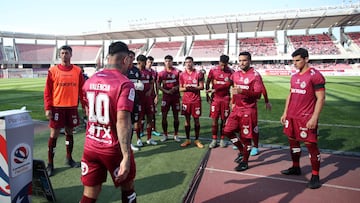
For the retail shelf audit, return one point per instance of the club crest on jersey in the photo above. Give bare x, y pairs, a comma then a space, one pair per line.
246, 80
246, 131
194, 81
226, 79
303, 84
173, 76
221, 76
137, 75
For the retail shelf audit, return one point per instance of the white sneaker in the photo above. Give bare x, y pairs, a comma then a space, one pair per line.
151, 141
176, 139
134, 148
164, 138
139, 143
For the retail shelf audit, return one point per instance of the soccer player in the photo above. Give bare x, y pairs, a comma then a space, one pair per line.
61, 98
149, 63
191, 82
219, 98
110, 99
133, 74
168, 83
146, 99
246, 91
301, 114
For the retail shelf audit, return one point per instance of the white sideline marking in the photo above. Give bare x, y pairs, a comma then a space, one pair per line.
283, 179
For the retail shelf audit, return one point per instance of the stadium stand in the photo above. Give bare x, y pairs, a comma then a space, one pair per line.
259, 46
35, 53
160, 49
1, 53
138, 48
85, 53
319, 44
207, 48
355, 37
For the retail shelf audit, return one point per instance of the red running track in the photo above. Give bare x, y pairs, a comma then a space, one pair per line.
263, 182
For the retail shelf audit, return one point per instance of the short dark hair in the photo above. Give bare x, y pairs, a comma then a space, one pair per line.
300, 51
246, 53
224, 58
132, 52
117, 47
150, 58
141, 58
168, 57
189, 57
66, 47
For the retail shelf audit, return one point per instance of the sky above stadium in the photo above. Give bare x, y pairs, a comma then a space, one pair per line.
84, 16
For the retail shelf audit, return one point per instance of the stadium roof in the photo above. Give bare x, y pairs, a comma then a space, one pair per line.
324, 17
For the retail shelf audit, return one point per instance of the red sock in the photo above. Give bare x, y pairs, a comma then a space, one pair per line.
246, 150
69, 142
148, 131
214, 131
197, 131
295, 152
85, 199
187, 131
51, 149
256, 139
128, 196
235, 140
314, 157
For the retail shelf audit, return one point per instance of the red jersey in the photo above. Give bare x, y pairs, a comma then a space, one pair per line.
191, 79
302, 93
63, 87
107, 92
146, 77
221, 82
169, 79
154, 76
251, 84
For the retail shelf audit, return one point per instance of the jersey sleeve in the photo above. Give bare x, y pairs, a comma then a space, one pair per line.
318, 81
48, 91
126, 98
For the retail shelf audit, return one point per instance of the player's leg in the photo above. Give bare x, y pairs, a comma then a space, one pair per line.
224, 114
231, 127
149, 129
255, 139
164, 123
214, 114
90, 194
128, 194
138, 125
314, 155
295, 152
175, 107
197, 141
55, 123
243, 165
72, 120
187, 127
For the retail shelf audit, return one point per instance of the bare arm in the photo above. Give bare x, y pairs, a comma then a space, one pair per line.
320, 101
123, 128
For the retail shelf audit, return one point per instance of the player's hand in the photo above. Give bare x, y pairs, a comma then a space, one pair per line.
268, 106
48, 114
283, 119
311, 124
156, 100
124, 170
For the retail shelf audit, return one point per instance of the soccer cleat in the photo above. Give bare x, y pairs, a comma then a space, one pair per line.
164, 138
71, 163
234, 147
151, 141
139, 143
292, 171
198, 144
50, 170
223, 143
213, 144
242, 167
186, 143
176, 139
154, 133
254, 151
314, 183
239, 158
134, 148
